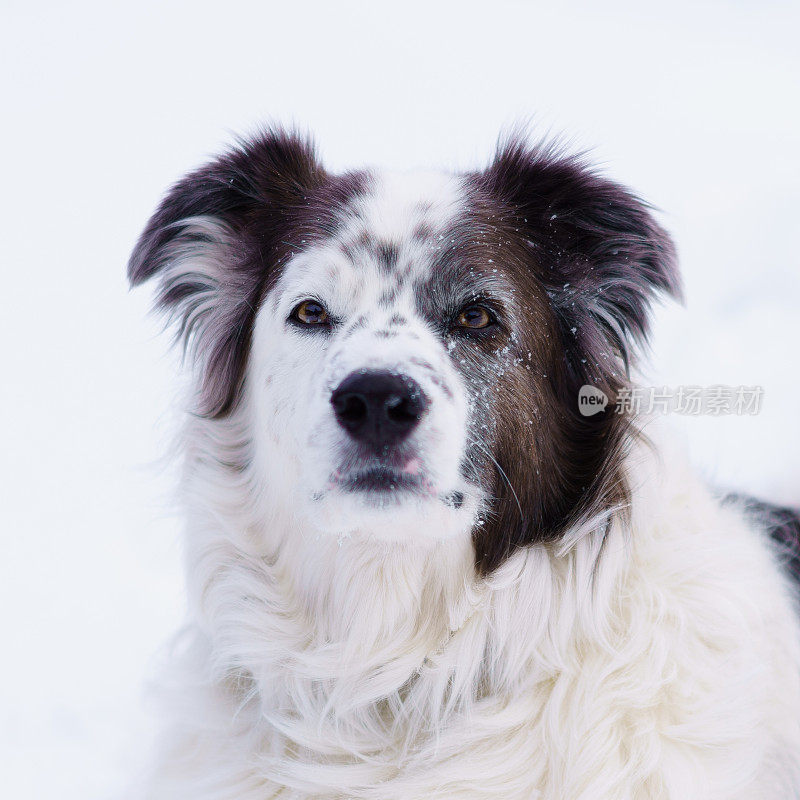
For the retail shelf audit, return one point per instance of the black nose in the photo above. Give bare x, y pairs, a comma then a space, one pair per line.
378, 408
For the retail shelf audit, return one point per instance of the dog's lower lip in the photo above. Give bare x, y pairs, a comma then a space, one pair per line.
378, 479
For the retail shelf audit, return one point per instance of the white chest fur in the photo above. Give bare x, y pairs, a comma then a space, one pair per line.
660, 662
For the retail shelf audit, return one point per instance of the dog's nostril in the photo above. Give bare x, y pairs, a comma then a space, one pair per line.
378, 408
350, 407
402, 409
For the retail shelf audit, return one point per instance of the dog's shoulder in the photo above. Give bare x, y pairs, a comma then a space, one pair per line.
782, 523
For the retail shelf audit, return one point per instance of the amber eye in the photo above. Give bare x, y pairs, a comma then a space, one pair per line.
475, 317
310, 312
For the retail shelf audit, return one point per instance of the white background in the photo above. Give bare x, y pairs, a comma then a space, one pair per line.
104, 105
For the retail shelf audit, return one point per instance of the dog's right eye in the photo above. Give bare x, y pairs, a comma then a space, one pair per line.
309, 313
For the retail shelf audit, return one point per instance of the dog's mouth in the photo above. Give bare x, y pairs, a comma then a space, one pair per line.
378, 479
390, 502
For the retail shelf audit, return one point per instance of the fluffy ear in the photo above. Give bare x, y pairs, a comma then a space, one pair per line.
214, 243
599, 252
602, 260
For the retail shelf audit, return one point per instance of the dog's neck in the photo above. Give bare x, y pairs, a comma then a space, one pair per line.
363, 646
369, 595
344, 607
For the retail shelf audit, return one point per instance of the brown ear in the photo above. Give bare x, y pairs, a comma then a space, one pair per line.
602, 260
595, 240
213, 243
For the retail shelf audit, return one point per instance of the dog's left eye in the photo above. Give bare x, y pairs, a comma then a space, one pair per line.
309, 312
475, 317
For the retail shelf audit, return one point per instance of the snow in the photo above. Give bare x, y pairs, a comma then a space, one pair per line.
106, 104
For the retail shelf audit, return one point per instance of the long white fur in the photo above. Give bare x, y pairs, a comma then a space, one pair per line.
368, 660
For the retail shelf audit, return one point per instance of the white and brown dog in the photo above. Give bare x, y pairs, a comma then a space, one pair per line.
416, 570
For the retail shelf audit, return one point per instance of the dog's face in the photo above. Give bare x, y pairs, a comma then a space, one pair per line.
408, 350
354, 370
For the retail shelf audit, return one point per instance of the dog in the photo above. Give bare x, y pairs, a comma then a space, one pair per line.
415, 568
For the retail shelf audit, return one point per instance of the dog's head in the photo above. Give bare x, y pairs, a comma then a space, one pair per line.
407, 350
